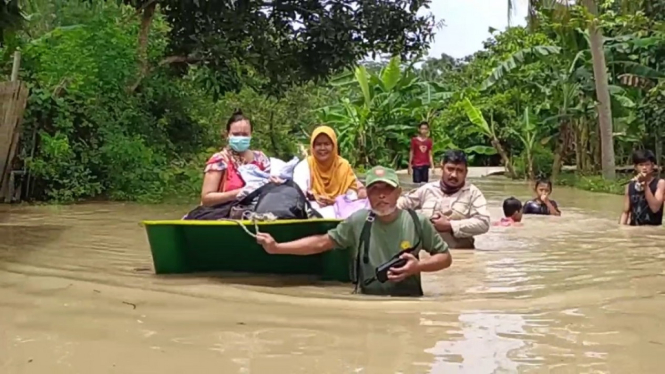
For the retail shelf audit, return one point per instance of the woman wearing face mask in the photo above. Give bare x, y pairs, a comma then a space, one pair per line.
325, 175
222, 182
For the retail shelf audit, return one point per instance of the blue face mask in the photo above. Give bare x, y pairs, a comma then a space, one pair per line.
239, 143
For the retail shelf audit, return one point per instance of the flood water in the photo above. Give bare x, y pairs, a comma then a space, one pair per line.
575, 294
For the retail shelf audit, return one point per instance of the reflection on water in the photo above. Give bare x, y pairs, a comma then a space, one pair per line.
483, 345
575, 294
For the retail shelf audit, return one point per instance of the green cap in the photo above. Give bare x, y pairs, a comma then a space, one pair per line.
381, 174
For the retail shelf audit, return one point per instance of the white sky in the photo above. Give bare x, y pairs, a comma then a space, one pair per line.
467, 24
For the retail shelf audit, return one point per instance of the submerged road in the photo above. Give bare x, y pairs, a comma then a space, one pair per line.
572, 294
474, 171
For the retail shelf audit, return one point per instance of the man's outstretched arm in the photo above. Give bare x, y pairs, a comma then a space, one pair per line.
341, 236
306, 246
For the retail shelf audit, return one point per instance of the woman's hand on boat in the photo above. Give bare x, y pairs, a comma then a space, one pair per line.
362, 193
324, 201
276, 180
410, 268
267, 242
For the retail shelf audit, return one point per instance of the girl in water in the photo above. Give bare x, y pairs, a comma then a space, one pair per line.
542, 204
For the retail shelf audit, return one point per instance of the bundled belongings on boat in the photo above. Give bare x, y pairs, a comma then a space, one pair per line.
345, 206
281, 201
262, 197
255, 178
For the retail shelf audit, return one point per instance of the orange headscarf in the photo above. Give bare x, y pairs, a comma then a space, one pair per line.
331, 178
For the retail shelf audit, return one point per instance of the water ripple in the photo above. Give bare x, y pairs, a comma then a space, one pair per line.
562, 294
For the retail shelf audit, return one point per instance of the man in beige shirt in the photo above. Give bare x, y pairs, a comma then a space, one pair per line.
457, 208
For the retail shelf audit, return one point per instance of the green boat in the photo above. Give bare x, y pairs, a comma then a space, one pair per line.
189, 246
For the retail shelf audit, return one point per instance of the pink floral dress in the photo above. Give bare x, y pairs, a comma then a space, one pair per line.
228, 162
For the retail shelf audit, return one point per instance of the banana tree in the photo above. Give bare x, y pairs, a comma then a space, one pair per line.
476, 118
529, 135
572, 86
376, 121
370, 119
517, 60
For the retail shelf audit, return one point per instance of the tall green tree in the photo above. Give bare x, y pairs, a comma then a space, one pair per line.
596, 41
11, 17
285, 41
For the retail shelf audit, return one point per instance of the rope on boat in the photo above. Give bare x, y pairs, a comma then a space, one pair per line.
255, 218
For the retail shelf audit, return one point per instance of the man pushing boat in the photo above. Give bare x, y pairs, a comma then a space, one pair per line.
386, 240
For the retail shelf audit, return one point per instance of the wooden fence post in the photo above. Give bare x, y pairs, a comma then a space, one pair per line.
16, 65
13, 98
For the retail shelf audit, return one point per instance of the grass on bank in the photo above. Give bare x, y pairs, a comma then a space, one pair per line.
185, 190
594, 183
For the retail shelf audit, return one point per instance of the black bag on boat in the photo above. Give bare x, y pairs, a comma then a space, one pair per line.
211, 213
284, 201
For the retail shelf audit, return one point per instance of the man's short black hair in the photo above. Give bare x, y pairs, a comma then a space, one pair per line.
543, 181
643, 155
511, 206
455, 156
423, 123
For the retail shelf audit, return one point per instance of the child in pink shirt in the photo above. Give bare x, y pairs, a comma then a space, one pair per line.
512, 210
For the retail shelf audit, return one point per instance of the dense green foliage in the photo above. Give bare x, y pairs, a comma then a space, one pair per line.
545, 70
128, 100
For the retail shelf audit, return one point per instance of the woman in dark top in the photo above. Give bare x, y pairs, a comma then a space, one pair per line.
643, 202
542, 203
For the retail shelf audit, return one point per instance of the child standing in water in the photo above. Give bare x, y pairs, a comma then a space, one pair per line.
542, 203
643, 201
512, 211
420, 155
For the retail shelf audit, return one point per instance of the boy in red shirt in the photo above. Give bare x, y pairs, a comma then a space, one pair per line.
420, 155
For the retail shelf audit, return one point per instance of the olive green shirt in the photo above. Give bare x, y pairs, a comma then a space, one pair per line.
386, 240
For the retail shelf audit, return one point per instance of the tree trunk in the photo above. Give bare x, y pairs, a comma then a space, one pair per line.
659, 145
580, 150
560, 151
532, 174
271, 126
147, 14
587, 164
602, 93
596, 151
504, 157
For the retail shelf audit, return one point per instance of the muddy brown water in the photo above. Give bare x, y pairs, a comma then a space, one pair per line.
575, 294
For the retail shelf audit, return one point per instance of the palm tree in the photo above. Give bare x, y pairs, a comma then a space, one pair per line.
596, 41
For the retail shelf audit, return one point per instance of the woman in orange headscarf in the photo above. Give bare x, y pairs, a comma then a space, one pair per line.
325, 175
